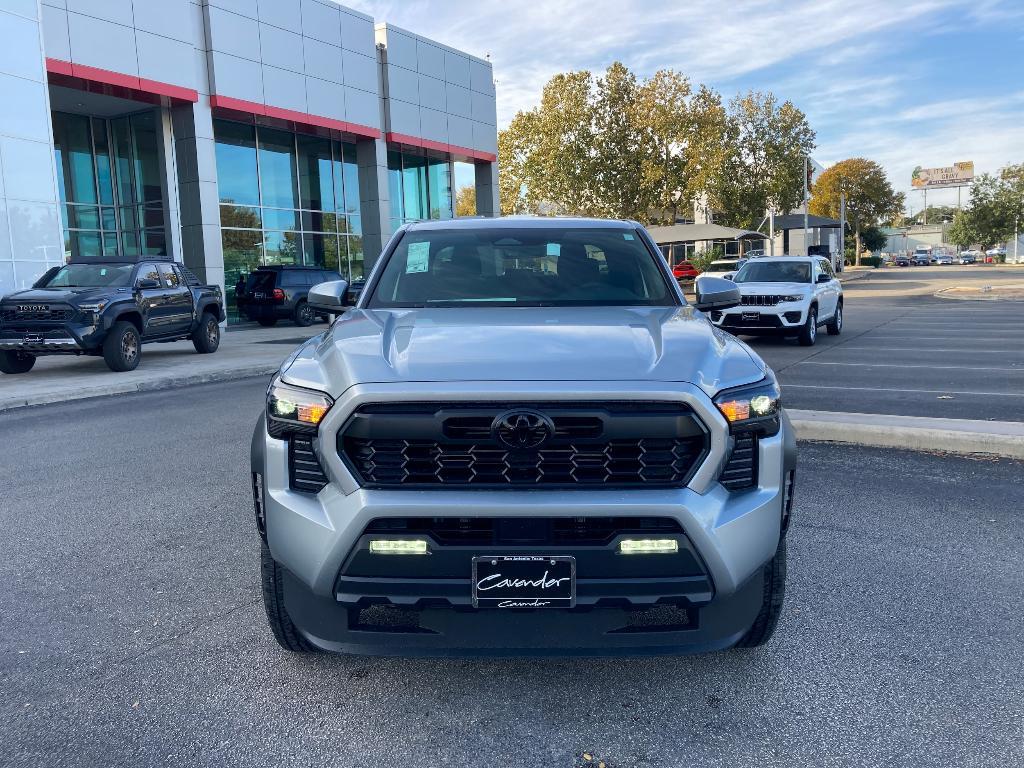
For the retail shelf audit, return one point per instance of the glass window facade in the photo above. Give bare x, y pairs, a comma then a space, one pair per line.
286, 198
420, 187
111, 191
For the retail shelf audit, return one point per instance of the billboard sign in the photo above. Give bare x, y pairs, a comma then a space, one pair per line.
956, 175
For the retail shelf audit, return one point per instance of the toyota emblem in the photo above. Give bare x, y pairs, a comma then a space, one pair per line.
521, 430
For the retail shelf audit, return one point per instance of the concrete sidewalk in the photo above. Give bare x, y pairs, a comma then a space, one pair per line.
244, 351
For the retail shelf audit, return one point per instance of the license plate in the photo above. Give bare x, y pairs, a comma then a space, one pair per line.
33, 339
524, 581
259, 295
751, 315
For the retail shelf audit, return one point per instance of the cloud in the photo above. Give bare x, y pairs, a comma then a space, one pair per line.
851, 66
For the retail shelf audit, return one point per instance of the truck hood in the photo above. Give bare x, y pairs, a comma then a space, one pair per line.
61, 295
657, 344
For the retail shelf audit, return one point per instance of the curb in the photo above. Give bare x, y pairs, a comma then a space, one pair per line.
946, 293
962, 436
170, 382
860, 274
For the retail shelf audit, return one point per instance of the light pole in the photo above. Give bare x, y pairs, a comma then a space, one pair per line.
806, 244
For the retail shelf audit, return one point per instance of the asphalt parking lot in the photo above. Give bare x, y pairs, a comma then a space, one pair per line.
903, 351
133, 632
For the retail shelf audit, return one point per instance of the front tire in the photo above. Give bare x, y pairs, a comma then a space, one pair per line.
12, 362
809, 332
771, 602
122, 347
206, 338
835, 325
285, 631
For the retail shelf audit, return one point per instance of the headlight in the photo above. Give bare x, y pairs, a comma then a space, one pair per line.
754, 407
792, 298
96, 307
292, 410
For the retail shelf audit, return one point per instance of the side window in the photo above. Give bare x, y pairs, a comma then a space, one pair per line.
170, 277
148, 272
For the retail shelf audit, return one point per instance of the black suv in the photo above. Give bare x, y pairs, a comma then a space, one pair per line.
278, 292
108, 308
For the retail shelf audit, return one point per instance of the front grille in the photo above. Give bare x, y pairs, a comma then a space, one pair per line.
431, 445
735, 320
44, 312
18, 334
760, 301
304, 471
741, 470
523, 531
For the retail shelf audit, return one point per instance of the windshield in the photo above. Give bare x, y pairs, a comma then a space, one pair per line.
766, 271
522, 267
91, 276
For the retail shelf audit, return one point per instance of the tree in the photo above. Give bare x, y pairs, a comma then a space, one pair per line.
766, 159
870, 197
963, 233
465, 201
619, 146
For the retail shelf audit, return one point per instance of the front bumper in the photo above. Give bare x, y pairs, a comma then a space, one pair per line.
730, 535
780, 318
48, 339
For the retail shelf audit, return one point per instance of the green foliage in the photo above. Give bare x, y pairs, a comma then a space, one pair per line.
872, 238
996, 209
871, 261
701, 260
619, 146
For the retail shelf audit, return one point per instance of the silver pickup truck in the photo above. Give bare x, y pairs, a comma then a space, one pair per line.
523, 440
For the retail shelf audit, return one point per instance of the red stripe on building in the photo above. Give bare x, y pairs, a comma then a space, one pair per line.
305, 118
138, 88
451, 149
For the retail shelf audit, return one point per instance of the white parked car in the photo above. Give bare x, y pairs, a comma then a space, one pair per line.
726, 268
786, 296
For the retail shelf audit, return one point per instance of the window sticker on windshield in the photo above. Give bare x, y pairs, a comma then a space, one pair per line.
418, 259
554, 249
627, 236
103, 271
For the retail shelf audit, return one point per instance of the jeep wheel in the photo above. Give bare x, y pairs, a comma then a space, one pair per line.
267, 322
122, 347
809, 332
206, 337
285, 632
835, 325
771, 602
304, 316
16, 362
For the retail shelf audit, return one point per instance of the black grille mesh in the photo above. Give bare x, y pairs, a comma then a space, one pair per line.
760, 301
52, 313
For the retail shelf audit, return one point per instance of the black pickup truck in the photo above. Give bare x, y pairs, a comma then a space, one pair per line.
108, 308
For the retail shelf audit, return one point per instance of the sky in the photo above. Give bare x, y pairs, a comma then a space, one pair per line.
901, 82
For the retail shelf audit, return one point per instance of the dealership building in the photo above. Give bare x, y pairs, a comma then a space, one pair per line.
229, 134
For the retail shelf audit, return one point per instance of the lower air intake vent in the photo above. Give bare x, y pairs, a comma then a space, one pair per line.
741, 470
304, 470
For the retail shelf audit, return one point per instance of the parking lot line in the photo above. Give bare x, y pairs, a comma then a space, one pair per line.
845, 348
901, 365
895, 389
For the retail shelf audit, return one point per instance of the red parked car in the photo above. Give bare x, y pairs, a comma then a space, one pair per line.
684, 270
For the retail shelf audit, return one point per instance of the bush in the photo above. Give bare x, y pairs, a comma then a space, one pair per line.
871, 261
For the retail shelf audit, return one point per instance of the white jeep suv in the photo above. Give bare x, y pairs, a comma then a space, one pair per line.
785, 296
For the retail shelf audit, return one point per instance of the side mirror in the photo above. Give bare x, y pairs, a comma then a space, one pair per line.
716, 293
355, 290
727, 277
147, 284
823, 278
330, 297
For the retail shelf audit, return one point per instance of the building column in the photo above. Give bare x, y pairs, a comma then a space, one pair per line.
169, 183
488, 202
194, 149
374, 203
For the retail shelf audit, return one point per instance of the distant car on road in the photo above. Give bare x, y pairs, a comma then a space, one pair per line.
969, 257
997, 251
903, 260
279, 292
684, 270
785, 296
943, 258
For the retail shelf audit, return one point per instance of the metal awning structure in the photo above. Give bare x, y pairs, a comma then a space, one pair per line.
796, 221
693, 233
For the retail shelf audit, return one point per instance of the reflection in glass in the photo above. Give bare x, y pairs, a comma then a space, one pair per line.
237, 180
316, 174
277, 168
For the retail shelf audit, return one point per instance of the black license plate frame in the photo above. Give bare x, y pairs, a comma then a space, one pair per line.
548, 581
